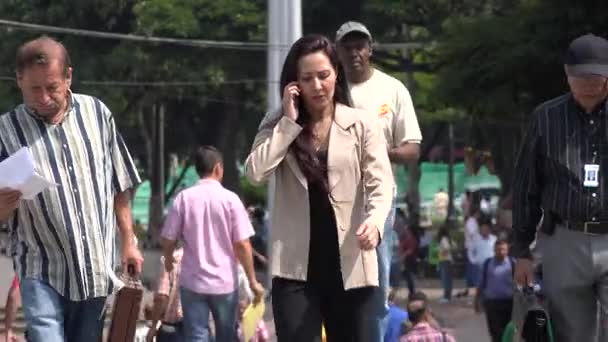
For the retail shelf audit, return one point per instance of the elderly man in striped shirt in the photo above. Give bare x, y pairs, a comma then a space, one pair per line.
64, 237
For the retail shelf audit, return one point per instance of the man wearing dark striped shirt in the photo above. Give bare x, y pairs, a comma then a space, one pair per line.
560, 176
64, 237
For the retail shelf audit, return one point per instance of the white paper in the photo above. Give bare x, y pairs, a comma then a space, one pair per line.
18, 172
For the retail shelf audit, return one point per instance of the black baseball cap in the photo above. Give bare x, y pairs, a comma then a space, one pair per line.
587, 55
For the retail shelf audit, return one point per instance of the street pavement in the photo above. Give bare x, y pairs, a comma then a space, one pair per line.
457, 317
6, 276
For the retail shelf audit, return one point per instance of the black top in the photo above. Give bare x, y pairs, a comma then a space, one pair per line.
561, 139
259, 242
323, 255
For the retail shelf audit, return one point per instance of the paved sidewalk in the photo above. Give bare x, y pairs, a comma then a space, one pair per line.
458, 317
7, 274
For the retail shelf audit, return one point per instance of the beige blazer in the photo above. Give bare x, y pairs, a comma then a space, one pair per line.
360, 181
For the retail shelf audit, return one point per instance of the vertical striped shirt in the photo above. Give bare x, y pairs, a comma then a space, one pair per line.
65, 236
550, 172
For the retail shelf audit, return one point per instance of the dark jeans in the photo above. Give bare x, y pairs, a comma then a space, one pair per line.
299, 309
408, 274
498, 315
471, 272
395, 276
445, 273
385, 255
51, 317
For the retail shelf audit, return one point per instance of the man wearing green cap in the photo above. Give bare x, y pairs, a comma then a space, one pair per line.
389, 100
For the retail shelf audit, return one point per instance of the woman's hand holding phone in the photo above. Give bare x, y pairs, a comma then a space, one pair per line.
291, 95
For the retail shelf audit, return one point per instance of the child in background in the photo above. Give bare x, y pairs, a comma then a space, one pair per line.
166, 312
445, 263
13, 301
245, 298
397, 316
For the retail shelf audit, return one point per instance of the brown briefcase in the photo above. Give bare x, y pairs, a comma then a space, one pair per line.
126, 309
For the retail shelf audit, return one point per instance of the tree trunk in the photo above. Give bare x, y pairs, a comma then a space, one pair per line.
144, 132
148, 138
157, 179
503, 141
178, 180
227, 143
505, 148
451, 217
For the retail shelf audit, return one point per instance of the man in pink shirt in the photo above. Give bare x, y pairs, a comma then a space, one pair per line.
215, 229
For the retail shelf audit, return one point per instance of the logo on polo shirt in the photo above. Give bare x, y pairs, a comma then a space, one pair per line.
384, 109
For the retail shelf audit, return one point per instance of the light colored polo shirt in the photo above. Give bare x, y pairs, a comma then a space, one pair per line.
209, 219
499, 279
390, 100
483, 248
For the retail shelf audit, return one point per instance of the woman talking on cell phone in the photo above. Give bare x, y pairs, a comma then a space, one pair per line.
332, 195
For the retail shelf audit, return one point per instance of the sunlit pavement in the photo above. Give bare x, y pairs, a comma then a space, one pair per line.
457, 317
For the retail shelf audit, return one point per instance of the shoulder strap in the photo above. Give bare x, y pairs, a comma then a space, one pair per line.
512, 262
484, 274
443, 336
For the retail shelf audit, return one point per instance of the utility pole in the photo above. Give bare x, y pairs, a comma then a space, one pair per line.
284, 28
273, 70
451, 212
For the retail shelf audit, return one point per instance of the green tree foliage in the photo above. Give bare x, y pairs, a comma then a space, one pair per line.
489, 60
216, 110
503, 65
498, 66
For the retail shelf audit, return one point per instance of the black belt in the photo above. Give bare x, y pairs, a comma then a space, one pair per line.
591, 228
173, 324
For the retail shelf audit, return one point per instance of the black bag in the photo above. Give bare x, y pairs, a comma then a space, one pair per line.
537, 327
532, 321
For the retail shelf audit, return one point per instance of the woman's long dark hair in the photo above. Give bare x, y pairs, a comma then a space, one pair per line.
302, 147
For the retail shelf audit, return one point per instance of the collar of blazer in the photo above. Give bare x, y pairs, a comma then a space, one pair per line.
344, 117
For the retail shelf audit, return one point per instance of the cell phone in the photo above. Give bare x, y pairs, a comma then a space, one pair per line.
296, 99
